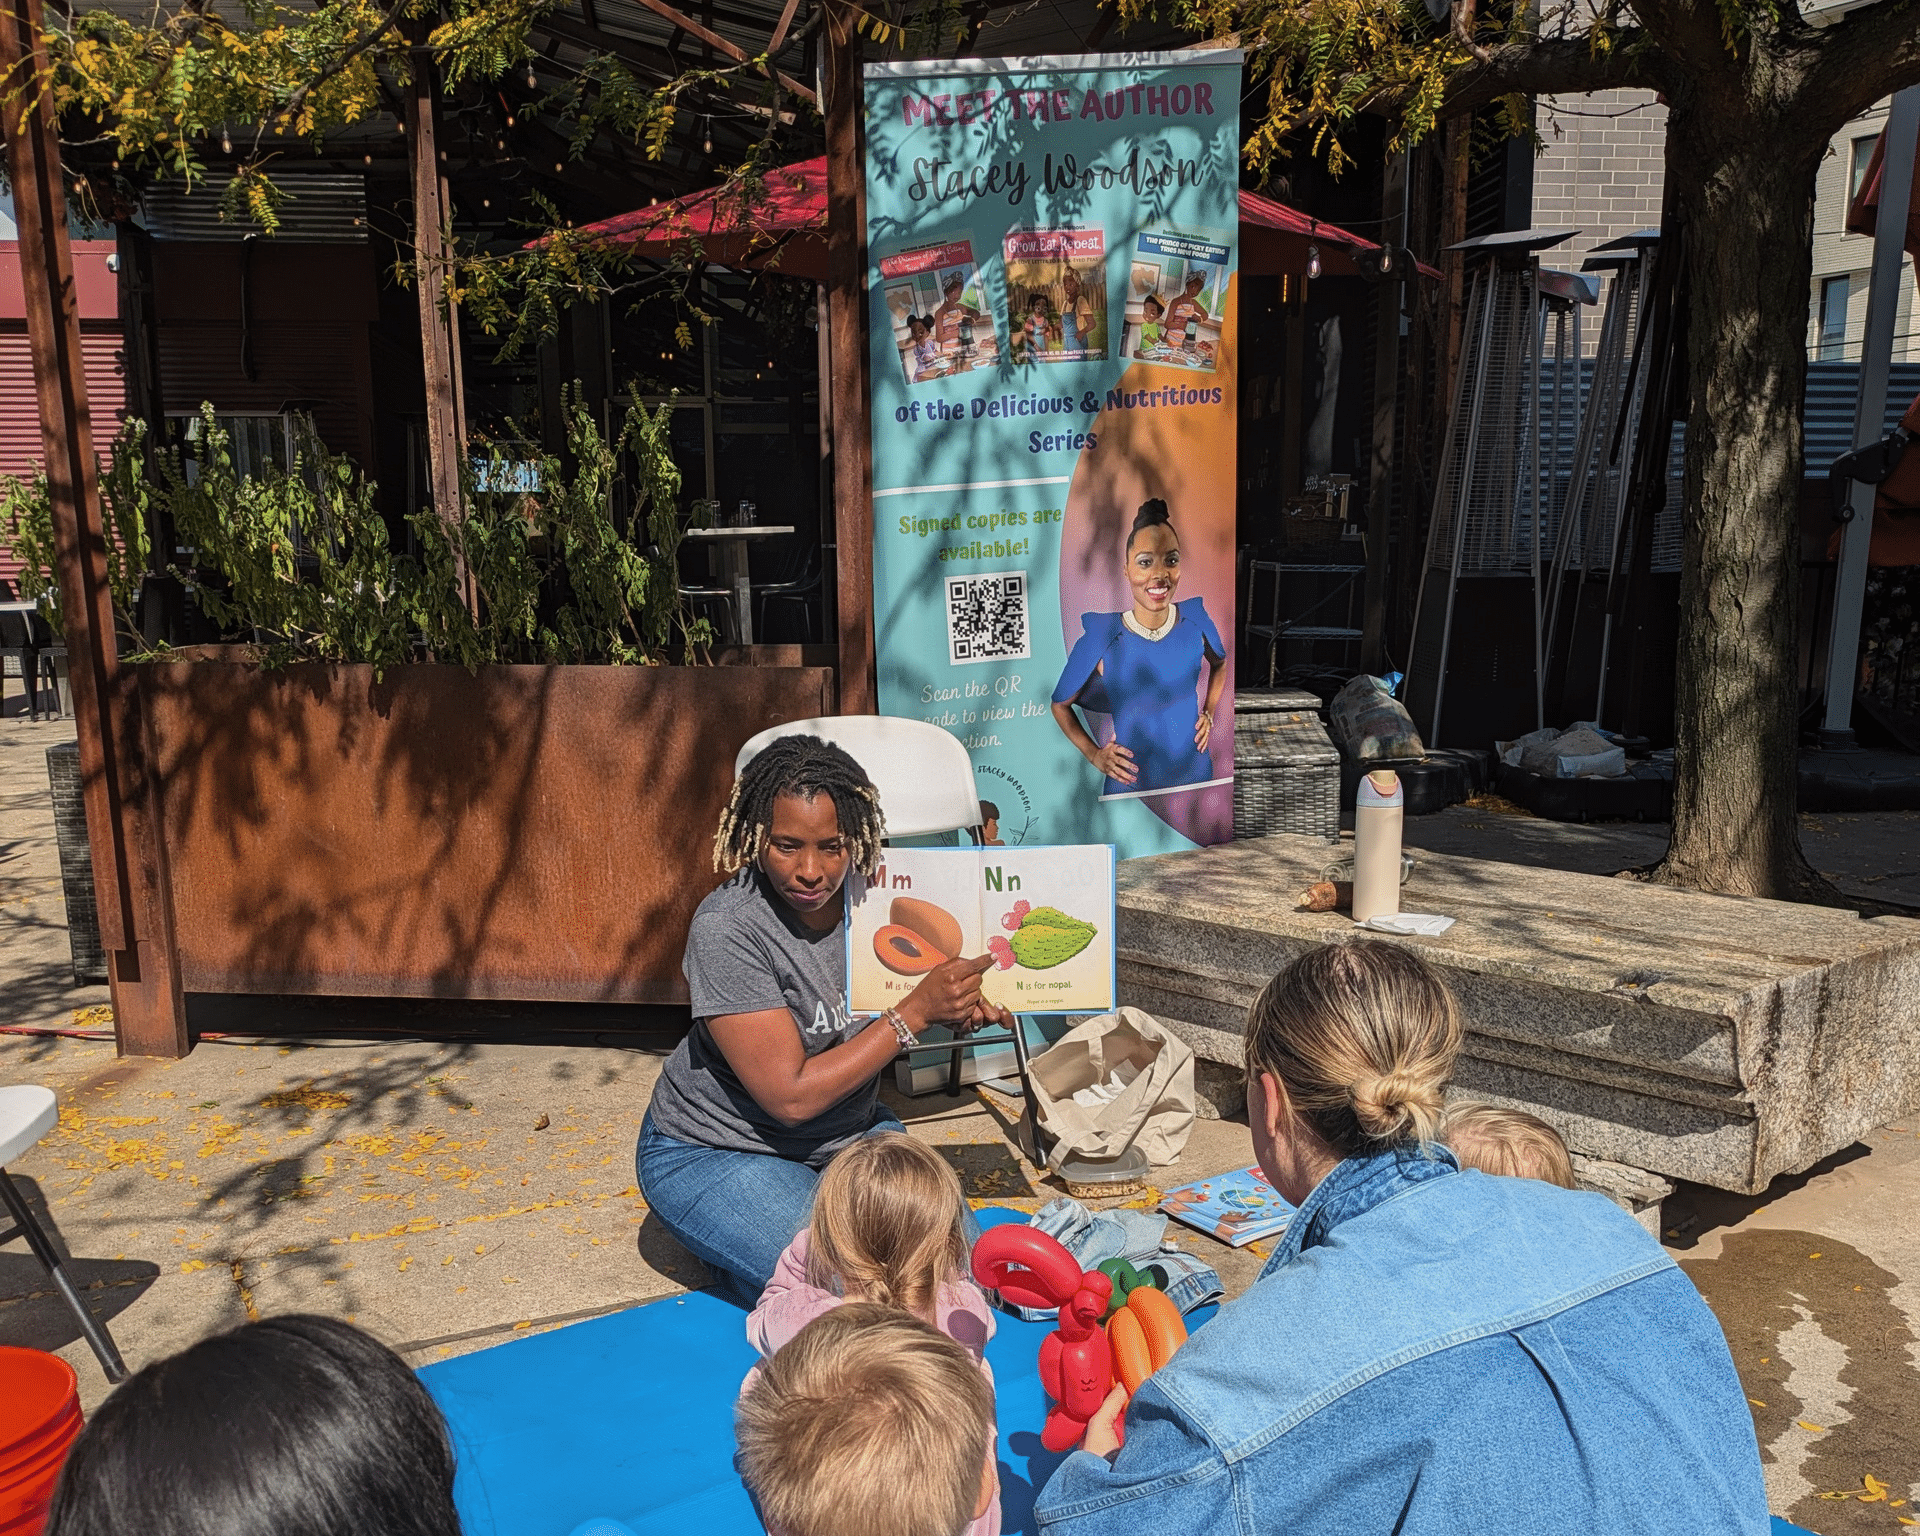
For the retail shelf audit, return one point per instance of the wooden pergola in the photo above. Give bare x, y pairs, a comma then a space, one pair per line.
655, 39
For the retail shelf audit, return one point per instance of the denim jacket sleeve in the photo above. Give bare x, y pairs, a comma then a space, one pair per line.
1169, 1476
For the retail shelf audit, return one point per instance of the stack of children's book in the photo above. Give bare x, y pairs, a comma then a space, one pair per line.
1237, 1208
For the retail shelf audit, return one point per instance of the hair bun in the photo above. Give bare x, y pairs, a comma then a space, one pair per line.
1152, 513
1399, 1106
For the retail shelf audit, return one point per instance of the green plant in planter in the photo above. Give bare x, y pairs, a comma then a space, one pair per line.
309, 568
299, 560
554, 532
26, 531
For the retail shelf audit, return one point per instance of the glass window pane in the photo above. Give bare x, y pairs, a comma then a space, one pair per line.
1834, 294
1857, 168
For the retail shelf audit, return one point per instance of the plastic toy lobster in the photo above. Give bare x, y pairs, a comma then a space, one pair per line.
1078, 1359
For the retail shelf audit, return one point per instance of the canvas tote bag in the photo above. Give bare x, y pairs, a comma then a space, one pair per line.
1153, 1112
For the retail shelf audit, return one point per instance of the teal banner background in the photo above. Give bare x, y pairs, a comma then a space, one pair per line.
1021, 417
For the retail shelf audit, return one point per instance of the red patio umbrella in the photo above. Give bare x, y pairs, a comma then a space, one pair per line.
788, 230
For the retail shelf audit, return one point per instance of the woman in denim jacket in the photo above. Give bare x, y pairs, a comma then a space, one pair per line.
1429, 1352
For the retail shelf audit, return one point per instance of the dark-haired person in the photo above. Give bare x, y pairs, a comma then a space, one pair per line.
1143, 667
951, 312
295, 1426
1187, 306
1428, 1351
776, 1076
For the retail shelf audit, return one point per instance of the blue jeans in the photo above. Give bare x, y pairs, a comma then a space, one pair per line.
734, 1211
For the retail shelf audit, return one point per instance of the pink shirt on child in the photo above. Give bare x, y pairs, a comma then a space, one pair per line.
790, 1302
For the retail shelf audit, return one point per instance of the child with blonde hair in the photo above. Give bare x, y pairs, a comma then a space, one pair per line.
1507, 1141
869, 1421
886, 1228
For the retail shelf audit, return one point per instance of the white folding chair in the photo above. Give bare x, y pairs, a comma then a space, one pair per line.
925, 782
924, 775
27, 1113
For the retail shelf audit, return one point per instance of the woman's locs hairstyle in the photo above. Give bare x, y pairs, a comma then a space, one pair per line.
298, 1426
804, 766
1364, 1037
1151, 515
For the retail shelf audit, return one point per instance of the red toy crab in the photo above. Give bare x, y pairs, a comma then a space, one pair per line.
1030, 1269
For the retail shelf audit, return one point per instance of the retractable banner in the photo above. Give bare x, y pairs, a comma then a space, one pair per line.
1051, 248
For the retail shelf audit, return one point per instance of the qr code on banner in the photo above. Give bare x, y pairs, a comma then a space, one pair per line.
987, 617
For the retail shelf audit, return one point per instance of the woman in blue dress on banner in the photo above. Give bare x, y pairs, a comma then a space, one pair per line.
1143, 667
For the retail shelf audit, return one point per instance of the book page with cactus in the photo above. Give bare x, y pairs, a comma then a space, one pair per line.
1045, 916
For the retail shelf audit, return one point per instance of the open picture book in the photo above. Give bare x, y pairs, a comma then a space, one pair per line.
1238, 1207
1045, 915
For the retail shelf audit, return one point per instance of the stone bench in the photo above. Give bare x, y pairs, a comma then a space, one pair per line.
1718, 1039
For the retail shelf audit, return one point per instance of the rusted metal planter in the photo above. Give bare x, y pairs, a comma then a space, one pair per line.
538, 833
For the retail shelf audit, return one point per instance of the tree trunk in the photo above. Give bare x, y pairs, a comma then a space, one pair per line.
1744, 176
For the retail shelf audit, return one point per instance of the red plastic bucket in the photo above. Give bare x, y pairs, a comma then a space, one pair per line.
39, 1418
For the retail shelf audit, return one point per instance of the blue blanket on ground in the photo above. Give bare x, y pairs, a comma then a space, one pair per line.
631, 1416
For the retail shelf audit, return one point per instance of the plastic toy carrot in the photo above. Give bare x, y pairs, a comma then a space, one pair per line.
1144, 1335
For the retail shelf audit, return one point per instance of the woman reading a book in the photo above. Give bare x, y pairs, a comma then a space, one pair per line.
1427, 1351
776, 1075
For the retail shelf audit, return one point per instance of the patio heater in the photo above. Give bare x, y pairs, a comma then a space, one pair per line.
1591, 543
1490, 502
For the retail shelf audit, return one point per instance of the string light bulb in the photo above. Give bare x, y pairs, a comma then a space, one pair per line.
1386, 258
532, 83
226, 144
1313, 260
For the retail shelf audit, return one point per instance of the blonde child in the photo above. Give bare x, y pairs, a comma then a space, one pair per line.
1507, 1141
869, 1421
886, 1228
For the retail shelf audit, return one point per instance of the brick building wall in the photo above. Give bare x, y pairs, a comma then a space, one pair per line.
1601, 170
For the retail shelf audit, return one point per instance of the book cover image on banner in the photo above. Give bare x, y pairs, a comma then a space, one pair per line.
937, 311
1054, 523
1177, 298
1057, 294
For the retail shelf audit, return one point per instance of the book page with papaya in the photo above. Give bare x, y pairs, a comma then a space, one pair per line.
1045, 915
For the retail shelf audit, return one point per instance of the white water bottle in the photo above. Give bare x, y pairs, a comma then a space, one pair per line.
1378, 808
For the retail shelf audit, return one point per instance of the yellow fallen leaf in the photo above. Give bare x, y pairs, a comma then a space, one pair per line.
1876, 1490
1905, 1521
1812, 1429
1813, 1255
191, 1265
1896, 1503
1756, 1402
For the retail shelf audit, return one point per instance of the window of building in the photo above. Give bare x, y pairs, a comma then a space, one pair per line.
1834, 294
1860, 158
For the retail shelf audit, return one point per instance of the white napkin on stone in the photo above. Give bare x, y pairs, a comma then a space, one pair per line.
1409, 923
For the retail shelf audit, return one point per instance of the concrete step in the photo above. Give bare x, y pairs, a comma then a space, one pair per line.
1716, 1039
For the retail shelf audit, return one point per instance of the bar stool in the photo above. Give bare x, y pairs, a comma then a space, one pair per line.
27, 1113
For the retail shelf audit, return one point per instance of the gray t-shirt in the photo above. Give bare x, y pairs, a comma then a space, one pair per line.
748, 952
